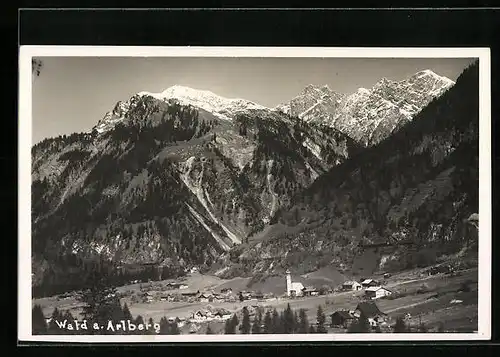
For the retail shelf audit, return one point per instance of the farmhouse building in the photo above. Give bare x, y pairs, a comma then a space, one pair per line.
223, 314
370, 310
190, 293
204, 297
341, 318
351, 285
310, 291
201, 315
376, 292
293, 288
258, 295
171, 286
367, 283
245, 295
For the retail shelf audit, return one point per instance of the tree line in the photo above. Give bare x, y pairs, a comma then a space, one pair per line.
103, 312
287, 321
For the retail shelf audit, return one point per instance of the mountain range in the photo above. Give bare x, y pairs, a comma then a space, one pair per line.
369, 115
186, 177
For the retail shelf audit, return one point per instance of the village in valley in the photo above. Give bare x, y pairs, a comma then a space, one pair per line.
440, 298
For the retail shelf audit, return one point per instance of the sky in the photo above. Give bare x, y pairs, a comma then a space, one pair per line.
73, 93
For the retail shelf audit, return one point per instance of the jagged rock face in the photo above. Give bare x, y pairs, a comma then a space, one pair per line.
314, 104
417, 187
370, 115
159, 180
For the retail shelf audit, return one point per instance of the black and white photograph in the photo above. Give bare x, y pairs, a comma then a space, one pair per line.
254, 194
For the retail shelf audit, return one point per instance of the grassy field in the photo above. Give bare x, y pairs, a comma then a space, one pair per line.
427, 299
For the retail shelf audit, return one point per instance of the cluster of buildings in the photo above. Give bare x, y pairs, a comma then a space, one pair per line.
186, 296
440, 269
178, 292
376, 318
372, 288
210, 314
296, 289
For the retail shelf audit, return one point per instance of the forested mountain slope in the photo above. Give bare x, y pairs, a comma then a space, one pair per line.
413, 190
166, 182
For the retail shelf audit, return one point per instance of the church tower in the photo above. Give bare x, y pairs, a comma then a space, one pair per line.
288, 282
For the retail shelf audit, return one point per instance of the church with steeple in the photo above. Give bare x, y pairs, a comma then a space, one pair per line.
293, 288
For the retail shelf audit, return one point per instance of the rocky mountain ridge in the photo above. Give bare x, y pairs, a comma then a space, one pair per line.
369, 115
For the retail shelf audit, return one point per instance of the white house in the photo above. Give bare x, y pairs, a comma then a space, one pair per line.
293, 288
372, 322
223, 314
200, 316
367, 283
376, 292
204, 297
351, 285
181, 321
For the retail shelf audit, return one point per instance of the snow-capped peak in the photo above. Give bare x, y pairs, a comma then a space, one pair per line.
204, 99
363, 91
221, 107
430, 73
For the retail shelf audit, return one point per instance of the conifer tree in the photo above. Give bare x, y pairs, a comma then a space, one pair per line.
257, 322
39, 324
268, 322
174, 329
276, 322
151, 330
164, 326
126, 312
228, 328
231, 324
245, 323
320, 320
288, 320
53, 328
68, 316
312, 329
422, 328
295, 321
139, 320
303, 323
400, 325
100, 299
209, 330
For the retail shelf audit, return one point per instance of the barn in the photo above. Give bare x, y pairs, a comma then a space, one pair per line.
370, 310
377, 292
341, 318
351, 285
368, 283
